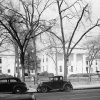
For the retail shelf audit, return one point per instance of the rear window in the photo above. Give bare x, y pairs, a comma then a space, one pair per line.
3, 81
15, 80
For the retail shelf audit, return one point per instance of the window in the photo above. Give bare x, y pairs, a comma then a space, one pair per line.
3, 81
12, 80
86, 62
61, 78
87, 69
0, 60
0, 69
55, 79
8, 70
43, 58
71, 68
60, 68
96, 62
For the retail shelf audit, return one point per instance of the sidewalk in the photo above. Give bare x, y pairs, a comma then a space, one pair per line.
31, 87
86, 85
76, 86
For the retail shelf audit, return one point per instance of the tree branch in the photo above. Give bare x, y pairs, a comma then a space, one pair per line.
77, 24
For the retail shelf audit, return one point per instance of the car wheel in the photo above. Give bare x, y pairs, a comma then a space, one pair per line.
17, 90
67, 88
44, 89
38, 90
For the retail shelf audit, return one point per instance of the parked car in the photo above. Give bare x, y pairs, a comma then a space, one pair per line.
12, 84
54, 83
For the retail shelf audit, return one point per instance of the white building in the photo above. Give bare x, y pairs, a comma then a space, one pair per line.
7, 63
95, 67
77, 63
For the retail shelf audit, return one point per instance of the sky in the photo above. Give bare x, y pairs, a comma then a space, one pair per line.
96, 8
95, 11
51, 14
96, 14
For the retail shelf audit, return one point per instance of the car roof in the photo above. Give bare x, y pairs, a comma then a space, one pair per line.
56, 76
8, 78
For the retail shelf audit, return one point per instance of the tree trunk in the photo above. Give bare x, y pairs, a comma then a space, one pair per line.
89, 71
56, 63
65, 62
35, 60
63, 41
65, 67
23, 73
28, 64
17, 61
22, 65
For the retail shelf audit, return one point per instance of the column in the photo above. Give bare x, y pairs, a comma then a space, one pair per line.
75, 63
84, 64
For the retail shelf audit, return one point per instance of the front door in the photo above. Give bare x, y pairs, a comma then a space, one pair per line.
12, 83
55, 83
4, 85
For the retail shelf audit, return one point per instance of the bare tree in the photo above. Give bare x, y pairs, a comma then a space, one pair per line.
93, 48
52, 51
51, 48
23, 24
79, 13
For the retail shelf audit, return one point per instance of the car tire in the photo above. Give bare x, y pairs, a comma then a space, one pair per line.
17, 90
38, 90
44, 89
67, 88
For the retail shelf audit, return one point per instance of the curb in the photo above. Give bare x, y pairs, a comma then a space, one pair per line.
19, 97
83, 88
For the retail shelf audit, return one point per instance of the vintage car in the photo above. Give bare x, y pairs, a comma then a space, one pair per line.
12, 84
55, 83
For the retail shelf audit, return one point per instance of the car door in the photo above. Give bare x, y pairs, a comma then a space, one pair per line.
55, 83
58, 83
4, 85
12, 83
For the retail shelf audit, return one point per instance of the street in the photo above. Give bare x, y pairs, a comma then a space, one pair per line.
9, 96
88, 94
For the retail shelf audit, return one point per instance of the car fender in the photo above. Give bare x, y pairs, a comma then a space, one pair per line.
69, 84
18, 86
45, 85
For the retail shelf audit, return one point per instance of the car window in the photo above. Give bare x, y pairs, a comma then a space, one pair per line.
13, 80
51, 79
61, 78
3, 81
55, 79
18, 80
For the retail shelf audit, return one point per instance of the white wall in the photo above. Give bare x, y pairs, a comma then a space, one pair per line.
8, 64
